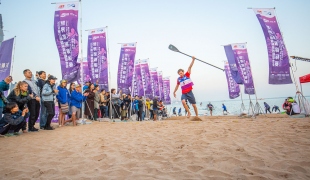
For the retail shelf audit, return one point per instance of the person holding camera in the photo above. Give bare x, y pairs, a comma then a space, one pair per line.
4, 86
13, 119
48, 92
21, 97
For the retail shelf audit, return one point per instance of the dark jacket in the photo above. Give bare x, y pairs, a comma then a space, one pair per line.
12, 119
3, 87
20, 99
40, 84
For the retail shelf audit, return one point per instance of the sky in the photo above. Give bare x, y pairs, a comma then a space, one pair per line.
197, 27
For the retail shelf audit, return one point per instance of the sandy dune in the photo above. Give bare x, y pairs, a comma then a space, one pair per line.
274, 147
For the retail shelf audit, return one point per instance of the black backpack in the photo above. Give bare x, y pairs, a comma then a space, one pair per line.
140, 104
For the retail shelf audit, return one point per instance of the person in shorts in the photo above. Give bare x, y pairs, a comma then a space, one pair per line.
186, 85
77, 98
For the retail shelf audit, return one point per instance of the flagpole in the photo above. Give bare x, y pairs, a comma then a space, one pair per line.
132, 79
82, 58
109, 74
12, 62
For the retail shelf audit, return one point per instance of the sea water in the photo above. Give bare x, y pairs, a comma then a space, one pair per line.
233, 106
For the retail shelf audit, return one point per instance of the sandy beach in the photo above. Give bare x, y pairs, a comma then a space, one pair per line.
273, 147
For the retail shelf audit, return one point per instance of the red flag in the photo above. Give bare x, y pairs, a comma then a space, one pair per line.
305, 78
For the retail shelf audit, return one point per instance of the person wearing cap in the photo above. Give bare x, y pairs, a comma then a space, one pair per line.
76, 99
63, 98
48, 96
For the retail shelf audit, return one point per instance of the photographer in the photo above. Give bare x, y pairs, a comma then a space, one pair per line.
4, 86
21, 97
13, 120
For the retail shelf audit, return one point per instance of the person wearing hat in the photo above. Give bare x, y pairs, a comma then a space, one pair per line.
48, 93
76, 99
63, 101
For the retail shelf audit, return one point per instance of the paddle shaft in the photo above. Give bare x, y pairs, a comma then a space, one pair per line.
202, 61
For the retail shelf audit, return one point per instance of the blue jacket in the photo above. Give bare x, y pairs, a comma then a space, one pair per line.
63, 95
3, 87
136, 104
76, 99
13, 119
47, 92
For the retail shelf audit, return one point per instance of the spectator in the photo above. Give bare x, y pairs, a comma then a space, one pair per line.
139, 107
41, 79
34, 103
89, 103
275, 108
76, 102
115, 99
155, 108
13, 120
87, 84
4, 86
71, 88
48, 93
151, 110
267, 107
96, 101
147, 109
103, 104
21, 97
63, 101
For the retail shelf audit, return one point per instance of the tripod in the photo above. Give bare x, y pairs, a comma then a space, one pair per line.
242, 108
303, 104
112, 112
255, 109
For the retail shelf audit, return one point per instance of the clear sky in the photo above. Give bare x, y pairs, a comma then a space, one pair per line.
197, 27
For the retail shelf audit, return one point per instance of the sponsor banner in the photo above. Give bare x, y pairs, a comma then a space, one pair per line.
6, 50
166, 86
160, 83
232, 64
146, 78
154, 82
86, 76
137, 80
233, 87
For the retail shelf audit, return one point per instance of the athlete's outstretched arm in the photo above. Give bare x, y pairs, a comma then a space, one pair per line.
175, 90
191, 65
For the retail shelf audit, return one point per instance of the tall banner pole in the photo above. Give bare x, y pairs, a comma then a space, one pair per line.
11, 71
109, 74
132, 88
81, 59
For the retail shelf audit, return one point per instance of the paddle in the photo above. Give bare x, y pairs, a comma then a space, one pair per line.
173, 48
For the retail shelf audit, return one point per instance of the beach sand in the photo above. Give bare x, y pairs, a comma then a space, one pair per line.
222, 147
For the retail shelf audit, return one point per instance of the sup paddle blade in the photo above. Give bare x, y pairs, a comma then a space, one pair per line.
173, 48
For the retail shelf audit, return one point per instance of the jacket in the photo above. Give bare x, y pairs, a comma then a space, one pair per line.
3, 87
20, 100
41, 84
76, 99
63, 95
97, 100
12, 119
48, 92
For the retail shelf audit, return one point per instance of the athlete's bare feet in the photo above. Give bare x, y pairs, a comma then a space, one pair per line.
25, 131
188, 115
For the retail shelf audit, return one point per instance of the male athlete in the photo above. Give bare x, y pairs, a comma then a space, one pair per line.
186, 86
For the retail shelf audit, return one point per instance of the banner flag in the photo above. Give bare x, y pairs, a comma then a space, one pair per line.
146, 78
137, 80
6, 51
160, 82
232, 64
166, 86
244, 67
233, 87
67, 39
279, 65
97, 57
126, 67
304, 79
86, 75
154, 81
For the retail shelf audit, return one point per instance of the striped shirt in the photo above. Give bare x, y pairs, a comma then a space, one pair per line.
186, 83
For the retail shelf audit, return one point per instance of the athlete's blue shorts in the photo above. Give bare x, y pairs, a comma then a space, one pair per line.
189, 96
